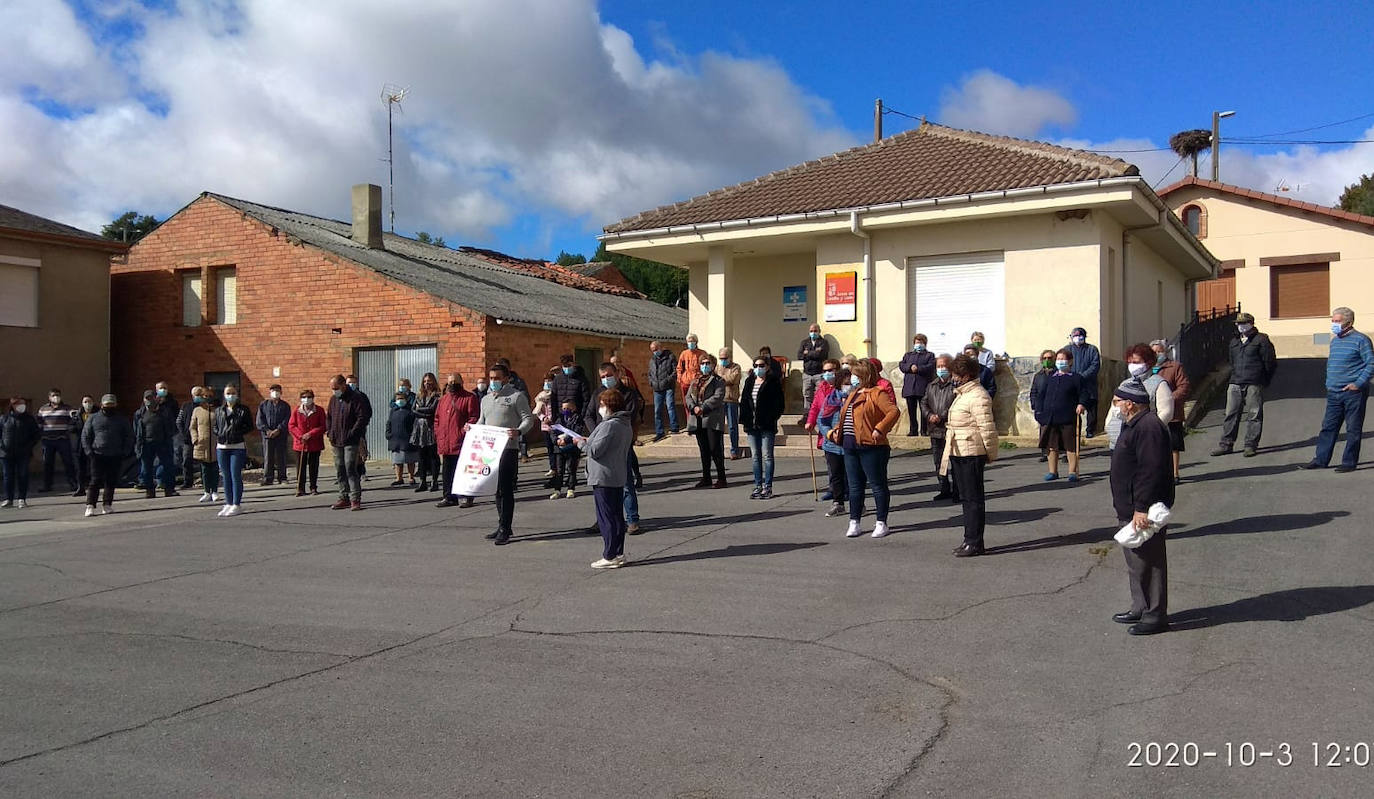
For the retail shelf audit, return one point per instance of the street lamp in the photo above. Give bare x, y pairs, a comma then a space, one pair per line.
1217, 116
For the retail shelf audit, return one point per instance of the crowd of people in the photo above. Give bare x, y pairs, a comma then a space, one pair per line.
591, 429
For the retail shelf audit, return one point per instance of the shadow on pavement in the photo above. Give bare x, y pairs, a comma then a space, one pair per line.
733, 551
1294, 604
1264, 524
1236, 474
1093, 536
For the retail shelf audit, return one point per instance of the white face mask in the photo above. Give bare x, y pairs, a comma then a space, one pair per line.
20, 408
55, 399
1245, 329
276, 395
306, 402
1137, 369
604, 412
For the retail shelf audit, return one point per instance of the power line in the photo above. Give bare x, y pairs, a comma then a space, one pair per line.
1170, 172
1298, 141
1305, 130
887, 110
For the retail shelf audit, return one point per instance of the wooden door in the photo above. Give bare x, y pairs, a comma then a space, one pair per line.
1217, 294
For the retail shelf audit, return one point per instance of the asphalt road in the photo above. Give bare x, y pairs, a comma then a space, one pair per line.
750, 650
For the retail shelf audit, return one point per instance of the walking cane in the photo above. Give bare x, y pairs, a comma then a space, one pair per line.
815, 489
1078, 439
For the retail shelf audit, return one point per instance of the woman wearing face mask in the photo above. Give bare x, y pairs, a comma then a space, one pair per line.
424, 405
543, 411
400, 425
865, 419
233, 421
705, 402
1037, 390
935, 408
608, 450
1140, 361
108, 438
83, 460
307, 433
918, 369
1061, 402
820, 420
731, 373
761, 407
19, 435
201, 432
971, 446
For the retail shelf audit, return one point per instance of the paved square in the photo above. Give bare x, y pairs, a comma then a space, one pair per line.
749, 650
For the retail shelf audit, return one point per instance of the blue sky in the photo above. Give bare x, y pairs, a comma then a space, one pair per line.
532, 123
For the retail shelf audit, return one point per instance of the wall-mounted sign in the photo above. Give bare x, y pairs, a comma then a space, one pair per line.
794, 304
840, 293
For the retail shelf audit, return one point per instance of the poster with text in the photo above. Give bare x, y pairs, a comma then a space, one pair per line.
840, 292
794, 303
479, 461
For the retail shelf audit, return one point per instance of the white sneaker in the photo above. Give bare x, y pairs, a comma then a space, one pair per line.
571, 493
106, 510
6, 504
550, 473
555, 495
602, 563
232, 510
880, 530
214, 497
90, 511
206, 497
853, 531
23, 503
224, 511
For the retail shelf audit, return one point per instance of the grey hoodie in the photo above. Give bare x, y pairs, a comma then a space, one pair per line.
510, 409
608, 451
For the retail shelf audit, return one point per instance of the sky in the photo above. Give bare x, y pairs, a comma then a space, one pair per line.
528, 125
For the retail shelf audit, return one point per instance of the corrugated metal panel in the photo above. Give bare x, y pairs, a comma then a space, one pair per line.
413, 362
950, 297
377, 379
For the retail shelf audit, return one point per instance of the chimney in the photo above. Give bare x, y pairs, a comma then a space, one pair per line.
367, 215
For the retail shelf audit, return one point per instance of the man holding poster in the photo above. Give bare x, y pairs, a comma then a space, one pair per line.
502, 407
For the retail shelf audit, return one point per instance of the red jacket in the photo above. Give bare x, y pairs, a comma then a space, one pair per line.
454, 412
313, 424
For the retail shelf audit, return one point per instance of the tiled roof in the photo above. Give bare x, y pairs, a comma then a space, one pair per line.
23, 221
568, 276
927, 162
511, 289
1273, 199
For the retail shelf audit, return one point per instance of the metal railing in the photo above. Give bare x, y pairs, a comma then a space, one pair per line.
1203, 341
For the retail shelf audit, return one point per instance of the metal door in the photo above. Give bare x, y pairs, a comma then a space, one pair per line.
379, 373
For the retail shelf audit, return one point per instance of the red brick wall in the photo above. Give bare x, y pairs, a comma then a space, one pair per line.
533, 351
613, 276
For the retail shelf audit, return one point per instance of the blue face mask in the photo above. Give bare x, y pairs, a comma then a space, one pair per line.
760, 371
724, 361
829, 377
608, 382
400, 403
691, 345
162, 392
495, 385
919, 347
854, 381
942, 373
548, 386
197, 400
1061, 365
1336, 328
813, 336
231, 398
567, 370
706, 368
1154, 370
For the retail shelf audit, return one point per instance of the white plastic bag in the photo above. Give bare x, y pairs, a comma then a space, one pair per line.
1131, 538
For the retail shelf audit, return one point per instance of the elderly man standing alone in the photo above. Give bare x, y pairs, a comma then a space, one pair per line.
1141, 476
1349, 368
1253, 363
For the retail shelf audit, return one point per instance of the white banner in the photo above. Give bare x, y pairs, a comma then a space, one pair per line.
479, 461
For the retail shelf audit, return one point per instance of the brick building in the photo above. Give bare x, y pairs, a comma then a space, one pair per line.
232, 291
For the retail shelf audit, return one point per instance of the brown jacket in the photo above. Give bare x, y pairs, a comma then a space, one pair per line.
1173, 374
732, 375
970, 430
874, 415
203, 433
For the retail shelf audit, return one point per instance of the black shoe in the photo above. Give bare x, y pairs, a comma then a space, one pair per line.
595, 529
767, 493
703, 483
1126, 618
78, 492
677, 432
967, 551
150, 493
446, 502
1147, 629
170, 492
465, 502
1312, 465
1043, 458
394, 483
493, 535
658, 438
941, 495
1343, 469
756, 492
502, 538
422, 488
434, 487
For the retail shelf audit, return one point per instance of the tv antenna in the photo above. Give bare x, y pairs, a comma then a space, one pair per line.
392, 95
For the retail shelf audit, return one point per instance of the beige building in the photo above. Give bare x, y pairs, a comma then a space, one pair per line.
938, 231
1286, 262
54, 308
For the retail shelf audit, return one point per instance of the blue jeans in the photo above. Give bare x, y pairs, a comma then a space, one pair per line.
631, 501
662, 398
867, 465
166, 473
761, 446
732, 425
231, 463
1347, 407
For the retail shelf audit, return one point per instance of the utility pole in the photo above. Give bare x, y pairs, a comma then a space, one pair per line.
878, 119
1217, 116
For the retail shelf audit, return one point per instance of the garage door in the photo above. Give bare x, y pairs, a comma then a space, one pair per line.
379, 372
949, 297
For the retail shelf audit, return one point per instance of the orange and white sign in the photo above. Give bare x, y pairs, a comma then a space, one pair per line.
841, 289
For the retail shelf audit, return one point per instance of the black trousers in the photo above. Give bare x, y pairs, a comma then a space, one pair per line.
1148, 571
190, 468
105, 475
307, 462
506, 481
937, 451
610, 518
567, 469
429, 464
1090, 418
839, 484
274, 458
916, 421
968, 475
711, 444
450, 469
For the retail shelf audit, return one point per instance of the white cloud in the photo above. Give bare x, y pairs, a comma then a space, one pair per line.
516, 106
993, 103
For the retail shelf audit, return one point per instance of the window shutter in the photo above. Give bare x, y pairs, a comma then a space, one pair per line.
1298, 292
226, 297
190, 299
950, 297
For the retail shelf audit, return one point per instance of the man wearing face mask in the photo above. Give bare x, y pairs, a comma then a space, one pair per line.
503, 406
108, 439
362, 445
57, 420
1171, 372
274, 422
1349, 368
813, 353
1253, 363
1087, 361
346, 419
730, 372
155, 435
570, 384
689, 365
662, 382
187, 453
918, 369
1140, 477
457, 408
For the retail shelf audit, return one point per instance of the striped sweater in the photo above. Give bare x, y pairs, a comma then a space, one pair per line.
56, 421
1351, 361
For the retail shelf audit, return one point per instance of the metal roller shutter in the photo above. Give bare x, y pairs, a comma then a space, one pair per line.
949, 297
1300, 292
379, 373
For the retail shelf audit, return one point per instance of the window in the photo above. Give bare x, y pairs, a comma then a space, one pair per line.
190, 299
216, 381
1195, 219
18, 295
1301, 291
590, 360
226, 296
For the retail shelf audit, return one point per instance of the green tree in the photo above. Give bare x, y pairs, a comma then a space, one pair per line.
662, 283
566, 258
425, 238
1358, 197
129, 226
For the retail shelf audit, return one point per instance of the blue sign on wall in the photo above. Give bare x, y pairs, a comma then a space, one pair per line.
794, 304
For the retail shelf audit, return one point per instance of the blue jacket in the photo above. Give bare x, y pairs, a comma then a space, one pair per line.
914, 384
989, 381
1087, 361
1351, 361
1062, 395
